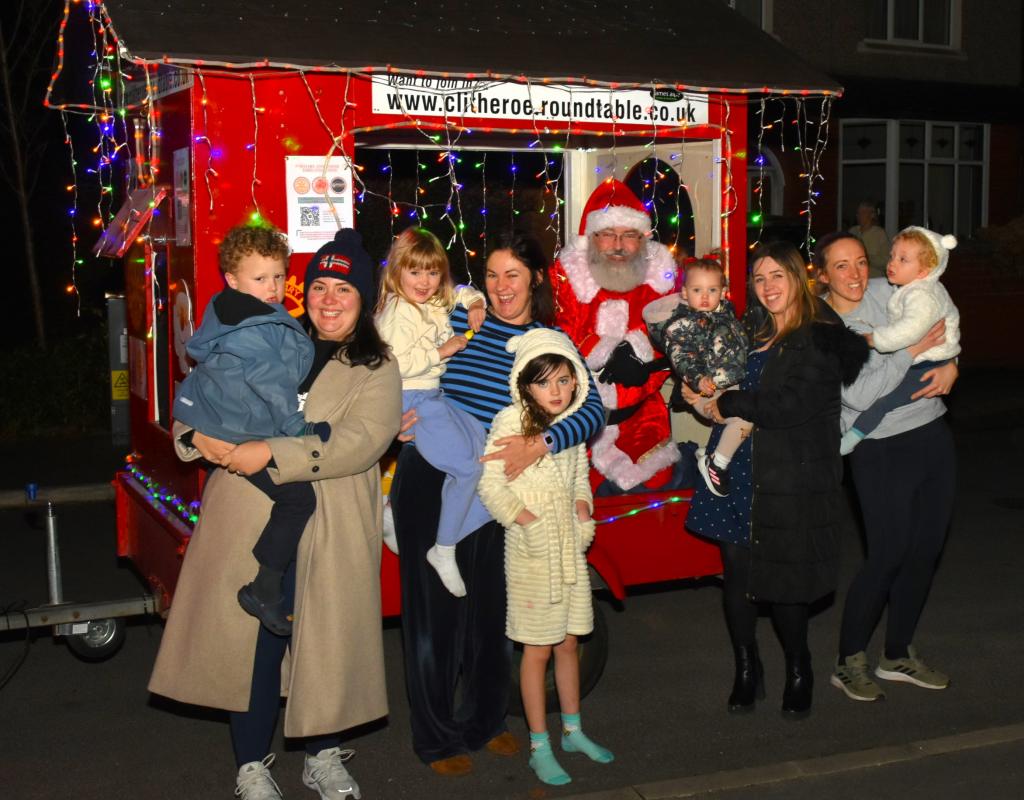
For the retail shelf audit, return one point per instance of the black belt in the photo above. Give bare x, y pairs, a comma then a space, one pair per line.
619, 415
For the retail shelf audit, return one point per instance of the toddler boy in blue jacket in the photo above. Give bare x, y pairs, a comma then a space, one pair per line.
252, 356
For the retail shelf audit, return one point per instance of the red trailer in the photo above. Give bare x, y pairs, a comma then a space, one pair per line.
305, 120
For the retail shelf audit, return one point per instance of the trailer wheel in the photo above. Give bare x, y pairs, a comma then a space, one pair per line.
103, 638
593, 654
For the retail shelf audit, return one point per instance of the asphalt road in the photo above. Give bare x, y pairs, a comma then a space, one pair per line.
90, 730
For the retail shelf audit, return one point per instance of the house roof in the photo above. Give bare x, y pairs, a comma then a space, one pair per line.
696, 43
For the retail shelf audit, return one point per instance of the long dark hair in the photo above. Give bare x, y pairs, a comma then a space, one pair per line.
792, 262
363, 347
535, 419
529, 252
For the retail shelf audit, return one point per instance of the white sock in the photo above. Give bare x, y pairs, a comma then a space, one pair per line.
388, 532
442, 558
720, 461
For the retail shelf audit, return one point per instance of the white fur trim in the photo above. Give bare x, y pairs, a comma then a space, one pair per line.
612, 319
609, 394
661, 268
577, 269
615, 465
641, 345
618, 217
660, 274
610, 325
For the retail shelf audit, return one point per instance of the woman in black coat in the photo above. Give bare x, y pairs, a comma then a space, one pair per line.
779, 527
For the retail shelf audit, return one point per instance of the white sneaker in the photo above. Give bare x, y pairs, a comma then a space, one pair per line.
326, 774
254, 781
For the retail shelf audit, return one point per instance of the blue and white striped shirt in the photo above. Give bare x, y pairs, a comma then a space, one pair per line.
476, 380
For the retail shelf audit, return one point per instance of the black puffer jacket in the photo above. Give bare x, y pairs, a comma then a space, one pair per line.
797, 469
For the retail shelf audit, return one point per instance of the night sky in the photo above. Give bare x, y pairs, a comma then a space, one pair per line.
50, 201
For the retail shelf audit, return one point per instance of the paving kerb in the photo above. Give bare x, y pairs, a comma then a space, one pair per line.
80, 493
813, 767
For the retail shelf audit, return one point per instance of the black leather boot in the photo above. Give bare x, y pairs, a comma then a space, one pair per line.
748, 685
796, 697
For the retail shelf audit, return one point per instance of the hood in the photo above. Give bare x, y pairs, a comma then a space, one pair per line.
940, 244
258, 313
540, 341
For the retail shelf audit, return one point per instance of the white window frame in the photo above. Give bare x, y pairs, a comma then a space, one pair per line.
892, 163
890, 40
766, 13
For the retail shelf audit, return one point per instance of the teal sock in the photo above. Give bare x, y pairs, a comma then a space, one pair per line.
850, 440
543, 763
574, 740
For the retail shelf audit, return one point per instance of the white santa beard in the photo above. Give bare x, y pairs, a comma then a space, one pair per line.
617, 276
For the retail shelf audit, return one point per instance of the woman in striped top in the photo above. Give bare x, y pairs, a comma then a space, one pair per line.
445, 636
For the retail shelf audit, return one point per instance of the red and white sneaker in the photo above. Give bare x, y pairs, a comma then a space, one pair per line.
716, 478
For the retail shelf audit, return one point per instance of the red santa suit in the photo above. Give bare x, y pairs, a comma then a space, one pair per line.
638, 450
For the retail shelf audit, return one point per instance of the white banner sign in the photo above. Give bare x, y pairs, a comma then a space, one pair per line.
453, 98
311, 194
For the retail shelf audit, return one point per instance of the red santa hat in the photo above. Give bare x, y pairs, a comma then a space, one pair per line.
613, 205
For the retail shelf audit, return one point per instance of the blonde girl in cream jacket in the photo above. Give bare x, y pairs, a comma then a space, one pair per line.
546, 513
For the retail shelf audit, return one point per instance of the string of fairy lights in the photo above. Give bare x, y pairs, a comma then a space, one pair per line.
124, 129
811, 140
165, 499
113, 70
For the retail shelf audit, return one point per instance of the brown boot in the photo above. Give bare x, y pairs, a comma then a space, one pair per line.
453, 766
504, 744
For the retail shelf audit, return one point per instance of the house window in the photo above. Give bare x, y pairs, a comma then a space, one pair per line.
930, 23
757, 11
917, 172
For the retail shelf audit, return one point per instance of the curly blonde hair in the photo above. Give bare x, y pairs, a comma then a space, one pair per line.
242, 240
929, 257
416, 248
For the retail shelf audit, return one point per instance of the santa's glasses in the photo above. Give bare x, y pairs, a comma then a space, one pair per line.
629, 237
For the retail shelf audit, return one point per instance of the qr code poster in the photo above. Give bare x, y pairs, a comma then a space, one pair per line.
319, 200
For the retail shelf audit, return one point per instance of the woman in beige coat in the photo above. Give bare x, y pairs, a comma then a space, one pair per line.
332, 670
546, 515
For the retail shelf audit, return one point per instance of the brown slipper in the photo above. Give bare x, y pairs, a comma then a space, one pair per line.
504, 744
453, 766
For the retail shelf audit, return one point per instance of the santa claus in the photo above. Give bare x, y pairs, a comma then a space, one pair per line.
601, 283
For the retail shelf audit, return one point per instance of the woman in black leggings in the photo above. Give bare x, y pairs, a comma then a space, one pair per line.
905, 474
778, 528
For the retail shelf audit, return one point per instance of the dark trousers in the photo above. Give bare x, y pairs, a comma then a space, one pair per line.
449, 640
872, 416
294, 504
790, 619
252, 731
905, 486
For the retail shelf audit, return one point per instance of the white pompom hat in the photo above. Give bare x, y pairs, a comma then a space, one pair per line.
940, 244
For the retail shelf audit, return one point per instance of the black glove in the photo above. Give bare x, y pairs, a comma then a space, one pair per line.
623, 367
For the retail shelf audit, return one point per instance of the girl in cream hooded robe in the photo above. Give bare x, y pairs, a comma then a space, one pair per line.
549, 602
546, 572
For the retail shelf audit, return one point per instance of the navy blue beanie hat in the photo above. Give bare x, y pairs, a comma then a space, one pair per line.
344, 258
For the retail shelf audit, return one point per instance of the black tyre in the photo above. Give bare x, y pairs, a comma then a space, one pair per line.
100, 642
593, 654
